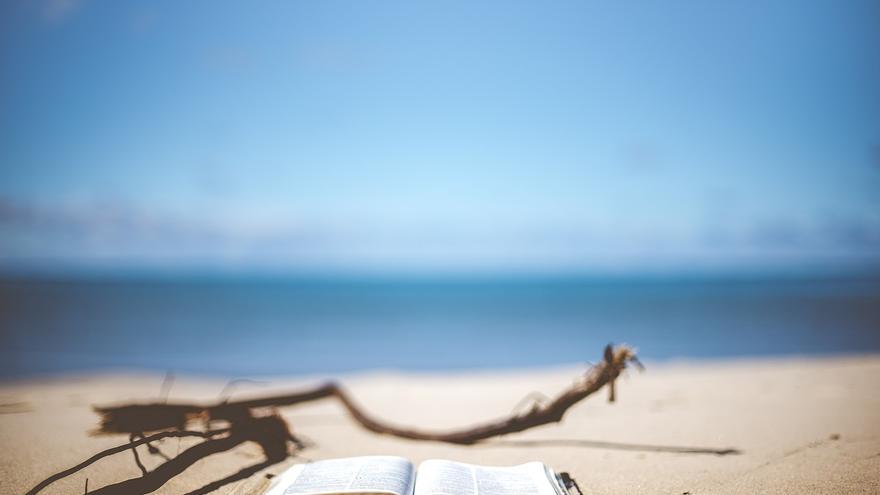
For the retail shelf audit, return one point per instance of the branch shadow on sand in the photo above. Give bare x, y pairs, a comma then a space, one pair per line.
153, 480
596, 444
270, 433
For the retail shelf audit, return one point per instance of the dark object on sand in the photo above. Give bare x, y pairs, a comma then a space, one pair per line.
272, 433
140, 418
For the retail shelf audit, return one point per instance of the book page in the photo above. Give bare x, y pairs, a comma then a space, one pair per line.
373, 474
437, 477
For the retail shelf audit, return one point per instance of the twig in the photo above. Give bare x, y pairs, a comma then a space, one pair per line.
165, 388
532, 400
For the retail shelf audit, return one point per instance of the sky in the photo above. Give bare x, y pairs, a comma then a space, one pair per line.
435, 136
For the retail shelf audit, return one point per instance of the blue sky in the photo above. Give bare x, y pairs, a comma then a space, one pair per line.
436, 136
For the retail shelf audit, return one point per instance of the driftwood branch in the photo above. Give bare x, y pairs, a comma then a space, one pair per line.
600, 375
139, 418
273, 434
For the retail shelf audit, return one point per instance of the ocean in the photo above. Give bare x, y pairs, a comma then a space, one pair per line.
243, 327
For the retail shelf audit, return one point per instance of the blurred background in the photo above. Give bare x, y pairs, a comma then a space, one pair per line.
321, 187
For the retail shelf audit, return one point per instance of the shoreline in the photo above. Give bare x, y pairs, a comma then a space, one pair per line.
571, 367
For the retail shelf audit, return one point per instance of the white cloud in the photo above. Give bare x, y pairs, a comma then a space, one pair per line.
127, 234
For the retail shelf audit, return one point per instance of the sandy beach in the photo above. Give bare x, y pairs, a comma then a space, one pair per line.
794, 425
238, 239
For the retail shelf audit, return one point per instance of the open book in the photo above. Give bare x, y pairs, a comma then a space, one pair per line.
397, 476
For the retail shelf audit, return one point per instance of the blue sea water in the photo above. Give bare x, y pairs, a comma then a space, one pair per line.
239, 327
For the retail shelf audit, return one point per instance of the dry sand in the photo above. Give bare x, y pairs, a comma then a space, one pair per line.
801, 425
